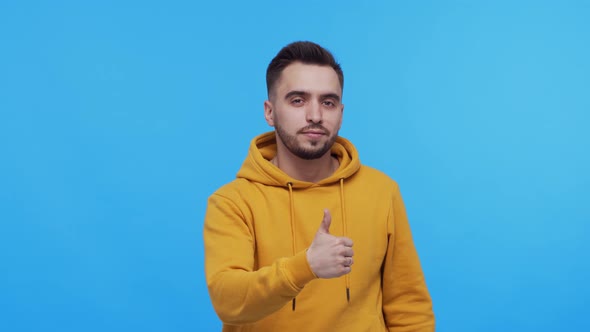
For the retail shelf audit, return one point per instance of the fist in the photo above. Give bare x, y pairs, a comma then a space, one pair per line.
329, 256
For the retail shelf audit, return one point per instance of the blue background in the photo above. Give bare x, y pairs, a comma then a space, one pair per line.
118, 119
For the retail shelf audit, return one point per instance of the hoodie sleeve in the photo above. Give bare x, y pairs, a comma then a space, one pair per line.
240, 294
406, 302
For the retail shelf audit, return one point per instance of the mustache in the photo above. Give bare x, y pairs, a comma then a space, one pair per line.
317, 127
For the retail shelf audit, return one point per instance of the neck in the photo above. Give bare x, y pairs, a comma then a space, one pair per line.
300, 169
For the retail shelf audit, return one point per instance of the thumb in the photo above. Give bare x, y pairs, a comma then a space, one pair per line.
325, 225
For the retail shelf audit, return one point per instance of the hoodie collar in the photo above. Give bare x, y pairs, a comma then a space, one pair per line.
258, 168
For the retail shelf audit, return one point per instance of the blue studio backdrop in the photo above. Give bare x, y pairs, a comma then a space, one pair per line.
119, 118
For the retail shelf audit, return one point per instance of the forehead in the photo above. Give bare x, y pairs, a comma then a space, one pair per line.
310, 78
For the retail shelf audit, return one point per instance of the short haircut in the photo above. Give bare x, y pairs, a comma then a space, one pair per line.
305, 52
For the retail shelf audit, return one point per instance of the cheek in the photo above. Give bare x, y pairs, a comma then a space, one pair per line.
291, 117
335, 120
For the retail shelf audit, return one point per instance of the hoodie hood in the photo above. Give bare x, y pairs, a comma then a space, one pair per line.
258, 168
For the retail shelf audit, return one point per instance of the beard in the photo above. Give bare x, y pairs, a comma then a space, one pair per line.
316, 150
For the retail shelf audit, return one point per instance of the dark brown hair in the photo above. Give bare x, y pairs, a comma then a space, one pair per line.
302, 51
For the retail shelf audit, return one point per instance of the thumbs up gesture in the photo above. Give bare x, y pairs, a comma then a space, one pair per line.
329, 256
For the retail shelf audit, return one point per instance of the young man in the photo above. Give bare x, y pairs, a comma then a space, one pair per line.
306, 238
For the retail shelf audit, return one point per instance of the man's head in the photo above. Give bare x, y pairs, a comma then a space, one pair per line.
304, 103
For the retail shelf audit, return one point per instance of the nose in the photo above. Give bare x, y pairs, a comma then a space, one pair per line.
314, 113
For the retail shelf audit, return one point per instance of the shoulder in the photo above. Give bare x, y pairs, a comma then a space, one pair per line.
234, 190
232, 198
375, 176
373, 182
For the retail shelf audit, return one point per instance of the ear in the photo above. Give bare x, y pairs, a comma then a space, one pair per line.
341, 116
269, 113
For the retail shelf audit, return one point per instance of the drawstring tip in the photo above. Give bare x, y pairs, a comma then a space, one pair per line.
293, 304
347, 294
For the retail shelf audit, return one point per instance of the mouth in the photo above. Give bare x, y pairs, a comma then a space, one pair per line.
313, 133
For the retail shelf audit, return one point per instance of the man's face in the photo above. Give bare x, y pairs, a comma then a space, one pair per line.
305, 107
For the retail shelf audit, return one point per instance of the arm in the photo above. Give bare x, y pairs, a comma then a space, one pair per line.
406, 303
239, 294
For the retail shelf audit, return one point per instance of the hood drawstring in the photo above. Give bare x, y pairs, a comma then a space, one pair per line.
292, 220
344, 233
344, 230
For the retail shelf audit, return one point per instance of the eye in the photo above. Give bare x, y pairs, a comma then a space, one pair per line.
297, 101
329, 103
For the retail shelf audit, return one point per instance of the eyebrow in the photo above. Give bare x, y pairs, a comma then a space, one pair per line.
304, 93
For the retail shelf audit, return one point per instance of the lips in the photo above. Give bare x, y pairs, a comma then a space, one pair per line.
314, 135
314, 132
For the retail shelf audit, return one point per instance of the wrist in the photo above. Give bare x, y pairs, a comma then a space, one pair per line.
298, 271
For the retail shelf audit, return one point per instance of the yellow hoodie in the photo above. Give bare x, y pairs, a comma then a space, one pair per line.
257, 230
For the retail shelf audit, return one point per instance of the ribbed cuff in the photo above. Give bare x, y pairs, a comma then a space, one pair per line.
298, 271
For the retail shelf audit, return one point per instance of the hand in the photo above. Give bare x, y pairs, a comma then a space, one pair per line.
329, 256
